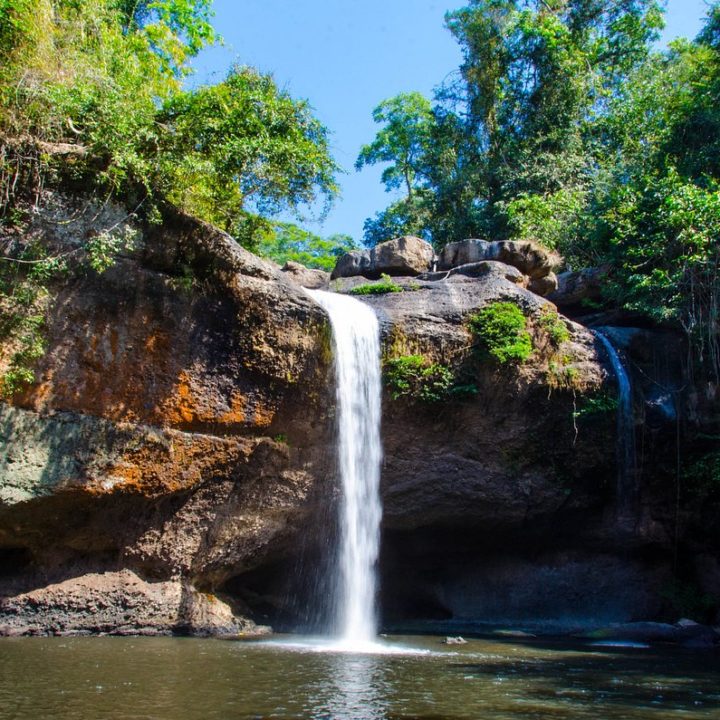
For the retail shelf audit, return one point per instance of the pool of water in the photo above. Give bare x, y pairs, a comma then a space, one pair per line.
407, 678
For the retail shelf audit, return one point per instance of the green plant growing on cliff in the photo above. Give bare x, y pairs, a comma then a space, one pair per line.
105, 246
596, 407
418, 378
385, 285
500, 332
554, 327
702, 475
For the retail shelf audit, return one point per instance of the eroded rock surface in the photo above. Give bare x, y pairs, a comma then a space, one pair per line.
118, 603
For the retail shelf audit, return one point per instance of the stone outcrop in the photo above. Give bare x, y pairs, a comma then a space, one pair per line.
119, 603
574, 287
405, 255
173, 431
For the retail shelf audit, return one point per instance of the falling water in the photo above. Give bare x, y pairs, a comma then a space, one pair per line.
357, 371
626, 489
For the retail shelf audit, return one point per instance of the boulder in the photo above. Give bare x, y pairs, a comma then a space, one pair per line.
119, 603
577, 285
405, 255
528, 257
478, 270
544, 286
356, 262
311, 278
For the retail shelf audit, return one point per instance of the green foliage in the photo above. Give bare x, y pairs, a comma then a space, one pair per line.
507, 149
500, 329
554, 327
418, 378
596, 406
104, 77
381, 287
285, 241
702, 475
105, 246
243, 146
402, 142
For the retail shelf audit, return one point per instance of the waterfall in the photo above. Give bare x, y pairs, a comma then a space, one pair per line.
626, 488
356, 343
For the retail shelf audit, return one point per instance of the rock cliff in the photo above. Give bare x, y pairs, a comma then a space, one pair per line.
178, 444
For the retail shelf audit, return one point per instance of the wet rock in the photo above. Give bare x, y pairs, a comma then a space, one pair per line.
647, 632
695, 635
457, 640
118, 603
311, 278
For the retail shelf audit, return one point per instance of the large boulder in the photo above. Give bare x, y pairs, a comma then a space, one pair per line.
530, 258
406, 255
310, 278
576, 286
356, 262
543, 286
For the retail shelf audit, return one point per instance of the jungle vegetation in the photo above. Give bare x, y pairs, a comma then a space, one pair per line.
566, 124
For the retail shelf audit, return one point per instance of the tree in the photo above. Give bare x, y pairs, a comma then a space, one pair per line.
243, 146
285, 241
105, 76
402, 142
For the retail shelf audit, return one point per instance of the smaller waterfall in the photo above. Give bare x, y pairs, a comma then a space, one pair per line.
627, 485
356, 341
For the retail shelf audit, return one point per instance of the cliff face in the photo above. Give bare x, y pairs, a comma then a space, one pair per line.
178, 426
179, 441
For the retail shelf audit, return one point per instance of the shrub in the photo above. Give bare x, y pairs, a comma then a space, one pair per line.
384, 285
501, 332
415, 376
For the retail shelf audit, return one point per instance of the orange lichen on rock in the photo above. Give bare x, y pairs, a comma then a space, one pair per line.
236, 414
180, 463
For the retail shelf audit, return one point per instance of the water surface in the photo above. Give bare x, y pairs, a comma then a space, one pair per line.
190, 679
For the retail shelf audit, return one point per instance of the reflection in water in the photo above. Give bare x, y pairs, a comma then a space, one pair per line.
355, 689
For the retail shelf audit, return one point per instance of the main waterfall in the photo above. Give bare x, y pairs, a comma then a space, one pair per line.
356, 342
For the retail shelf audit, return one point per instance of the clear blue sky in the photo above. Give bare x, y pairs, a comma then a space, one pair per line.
345, 56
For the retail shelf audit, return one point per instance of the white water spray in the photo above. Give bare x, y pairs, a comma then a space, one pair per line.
356, 341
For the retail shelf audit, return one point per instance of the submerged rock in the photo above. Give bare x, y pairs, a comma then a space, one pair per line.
455, 640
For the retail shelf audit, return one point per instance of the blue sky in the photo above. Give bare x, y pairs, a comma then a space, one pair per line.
345, 56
